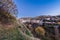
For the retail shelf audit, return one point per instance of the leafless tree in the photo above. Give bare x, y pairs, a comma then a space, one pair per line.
8, 10
8, 6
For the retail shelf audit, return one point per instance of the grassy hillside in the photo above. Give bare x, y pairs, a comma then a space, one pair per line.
16, 33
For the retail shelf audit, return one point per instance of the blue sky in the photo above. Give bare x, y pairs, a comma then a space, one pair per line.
32, 8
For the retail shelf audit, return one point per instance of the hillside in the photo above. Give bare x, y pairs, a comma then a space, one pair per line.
14, 31
36, 28
10, 28
43, 27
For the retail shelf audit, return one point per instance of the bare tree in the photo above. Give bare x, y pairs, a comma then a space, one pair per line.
8, 6
8, 10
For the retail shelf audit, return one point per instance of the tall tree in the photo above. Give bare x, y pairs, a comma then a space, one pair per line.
8, 10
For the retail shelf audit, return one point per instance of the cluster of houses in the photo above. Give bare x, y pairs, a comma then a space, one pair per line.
47, 20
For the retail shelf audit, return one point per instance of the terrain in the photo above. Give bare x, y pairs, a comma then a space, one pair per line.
43, 27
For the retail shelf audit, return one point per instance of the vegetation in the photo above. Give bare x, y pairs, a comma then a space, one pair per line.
9, 34
40, 31
9, 27
58, 22
7, 12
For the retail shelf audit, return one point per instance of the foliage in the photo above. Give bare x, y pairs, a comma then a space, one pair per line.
40, 31
58, 22
7, 11
28, 33
9, 34
25, 30
8, 16
13, 34
8, 6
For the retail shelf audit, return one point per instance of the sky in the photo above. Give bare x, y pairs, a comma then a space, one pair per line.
32, 8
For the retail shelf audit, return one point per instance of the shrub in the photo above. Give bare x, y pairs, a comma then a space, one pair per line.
9, 34
40, 31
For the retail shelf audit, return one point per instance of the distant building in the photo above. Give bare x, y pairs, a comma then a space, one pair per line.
47, 18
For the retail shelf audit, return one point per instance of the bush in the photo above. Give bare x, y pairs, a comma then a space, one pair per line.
9, 34
40, 31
